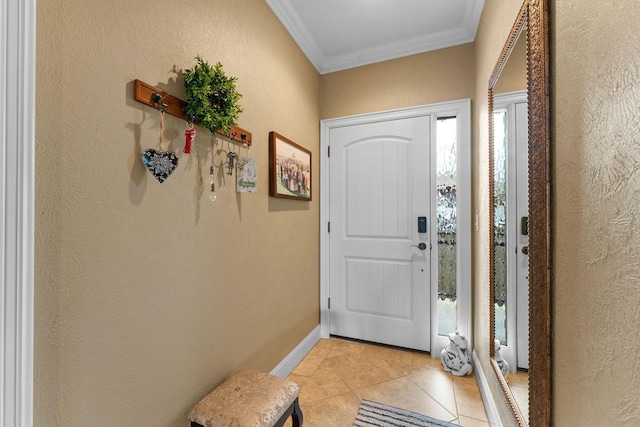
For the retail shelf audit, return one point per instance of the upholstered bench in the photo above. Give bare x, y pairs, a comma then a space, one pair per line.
249, 399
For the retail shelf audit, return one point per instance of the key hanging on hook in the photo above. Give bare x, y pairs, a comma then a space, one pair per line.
212, 178
231, 156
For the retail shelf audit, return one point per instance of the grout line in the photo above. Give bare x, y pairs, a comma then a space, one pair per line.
456, 415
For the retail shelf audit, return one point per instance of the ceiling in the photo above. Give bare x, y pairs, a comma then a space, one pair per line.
340, 34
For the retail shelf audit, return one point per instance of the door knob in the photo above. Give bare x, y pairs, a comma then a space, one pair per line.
422, 246
525, 250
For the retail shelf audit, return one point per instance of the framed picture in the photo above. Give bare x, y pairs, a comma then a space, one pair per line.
289, 169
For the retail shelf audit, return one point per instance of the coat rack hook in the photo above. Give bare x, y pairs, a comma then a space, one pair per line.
157, 98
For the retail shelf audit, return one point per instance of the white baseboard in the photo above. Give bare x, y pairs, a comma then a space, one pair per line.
487, 397
292, 360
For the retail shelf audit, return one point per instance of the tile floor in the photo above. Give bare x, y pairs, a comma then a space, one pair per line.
338, 373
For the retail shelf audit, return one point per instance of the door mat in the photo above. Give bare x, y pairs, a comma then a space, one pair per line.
380, 415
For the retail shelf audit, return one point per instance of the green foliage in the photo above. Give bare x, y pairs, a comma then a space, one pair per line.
212, 98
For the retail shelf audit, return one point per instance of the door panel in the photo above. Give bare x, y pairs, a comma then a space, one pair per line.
522, 210
379, 278
378, 287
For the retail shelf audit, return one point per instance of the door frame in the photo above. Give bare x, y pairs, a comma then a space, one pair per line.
17, 193
461, 109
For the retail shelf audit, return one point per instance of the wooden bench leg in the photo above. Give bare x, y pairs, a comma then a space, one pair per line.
296, 416
294, 412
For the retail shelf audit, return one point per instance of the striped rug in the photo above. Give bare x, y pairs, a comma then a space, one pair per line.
379, 415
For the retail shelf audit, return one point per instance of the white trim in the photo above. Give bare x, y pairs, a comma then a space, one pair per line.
489, 404
502, 100
17, 166
292, 360
460, 108
472, 17
324, 234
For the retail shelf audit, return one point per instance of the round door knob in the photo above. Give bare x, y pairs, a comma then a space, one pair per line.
525, 250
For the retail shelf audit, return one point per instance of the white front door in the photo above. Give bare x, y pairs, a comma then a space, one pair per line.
514, 329
380, 173
379, 275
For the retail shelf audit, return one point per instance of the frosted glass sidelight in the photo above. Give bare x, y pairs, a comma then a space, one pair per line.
500, 221
446, 212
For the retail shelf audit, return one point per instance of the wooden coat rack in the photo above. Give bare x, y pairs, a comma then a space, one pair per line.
145, 93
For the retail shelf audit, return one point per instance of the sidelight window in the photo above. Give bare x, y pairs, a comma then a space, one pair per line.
446, 213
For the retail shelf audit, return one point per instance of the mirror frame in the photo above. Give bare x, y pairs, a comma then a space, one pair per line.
532, 21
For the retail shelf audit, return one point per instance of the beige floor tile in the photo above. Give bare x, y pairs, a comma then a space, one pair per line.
468, 398
298, 379
388, 353
311, 362
335, 353
519, 385
403, 393
518, 378
337, 373
471, 422
425, 360
325, 382
521, 395
438, 385
341, 345
405, 369
358, 371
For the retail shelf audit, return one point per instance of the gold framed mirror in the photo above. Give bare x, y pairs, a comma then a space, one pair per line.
531, 27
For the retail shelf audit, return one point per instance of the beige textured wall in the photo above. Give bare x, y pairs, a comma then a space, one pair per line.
147, 295
438, 76
596, 137
496, 23
143, 301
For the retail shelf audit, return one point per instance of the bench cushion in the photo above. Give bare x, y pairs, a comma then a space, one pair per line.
247, 399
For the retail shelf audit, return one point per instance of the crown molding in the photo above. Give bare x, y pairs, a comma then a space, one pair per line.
441, 40
290, 19
298, 31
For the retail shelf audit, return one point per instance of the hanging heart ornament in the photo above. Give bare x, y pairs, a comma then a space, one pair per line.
160, 163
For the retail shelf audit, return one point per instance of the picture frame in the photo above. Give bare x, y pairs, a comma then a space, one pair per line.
289, 169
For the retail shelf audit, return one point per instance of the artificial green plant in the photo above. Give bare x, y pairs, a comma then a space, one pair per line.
212, 98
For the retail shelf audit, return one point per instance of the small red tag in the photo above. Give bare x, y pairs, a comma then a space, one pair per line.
189, 135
